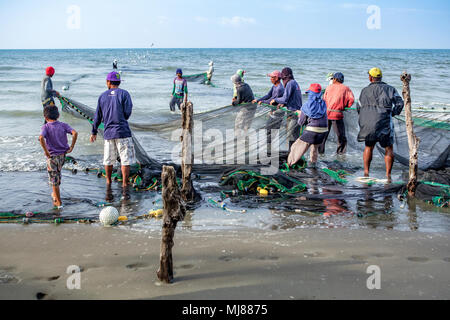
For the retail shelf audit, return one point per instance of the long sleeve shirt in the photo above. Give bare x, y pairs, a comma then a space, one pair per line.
292, 97
338, 97
114, 109
47, 89
275, 92
179, 87
244, 94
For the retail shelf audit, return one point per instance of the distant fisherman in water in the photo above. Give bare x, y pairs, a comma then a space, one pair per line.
277, 91
179, 91
338, 97
292, 99
210, 72
115, 64
114, 109
379, 102
47, 92
244, 94
53, 139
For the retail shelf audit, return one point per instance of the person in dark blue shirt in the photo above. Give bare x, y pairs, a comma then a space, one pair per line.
114, 109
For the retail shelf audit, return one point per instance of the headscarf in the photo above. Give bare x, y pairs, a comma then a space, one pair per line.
287, 75
315, 107
236, 79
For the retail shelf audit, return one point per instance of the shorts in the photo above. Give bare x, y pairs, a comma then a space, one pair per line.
313, 137
54, 167
123, 148
384, 140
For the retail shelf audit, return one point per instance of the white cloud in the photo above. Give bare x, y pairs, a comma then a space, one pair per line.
201, 19
237, 21
162, 19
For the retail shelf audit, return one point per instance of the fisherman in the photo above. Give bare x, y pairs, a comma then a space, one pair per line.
241, 74
276, 117
210, 71
179, 91
114, 109
47, 92
292, 99
378, 103
314, 114
53, 139
338, 97
115, 64
244, 94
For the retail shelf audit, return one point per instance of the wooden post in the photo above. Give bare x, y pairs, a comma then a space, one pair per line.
174, 211
413, 140
187, 190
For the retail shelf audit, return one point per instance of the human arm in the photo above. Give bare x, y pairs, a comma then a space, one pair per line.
286, 94
127, 106
97, 121
44, 146
266, 98
74, 140
349, 98
185, 91
398, 103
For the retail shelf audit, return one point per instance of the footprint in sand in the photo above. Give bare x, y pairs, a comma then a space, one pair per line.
314, 255
229, 258
272, 258
41, 295
418, 259
383, 255
137, 265
446, 259
185, 266
359, 258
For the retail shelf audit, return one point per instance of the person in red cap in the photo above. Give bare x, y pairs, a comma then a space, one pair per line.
313, 114
47, 92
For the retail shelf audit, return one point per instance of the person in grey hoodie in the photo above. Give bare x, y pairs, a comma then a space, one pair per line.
244, 118
47, 92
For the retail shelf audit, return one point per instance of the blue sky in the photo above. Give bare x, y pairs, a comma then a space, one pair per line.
224, 24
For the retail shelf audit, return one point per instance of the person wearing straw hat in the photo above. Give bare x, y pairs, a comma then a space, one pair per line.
378, 103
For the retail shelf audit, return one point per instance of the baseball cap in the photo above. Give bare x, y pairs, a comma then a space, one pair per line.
179, 71
375, 72
113, 76
339, 76
275, 73
315, 87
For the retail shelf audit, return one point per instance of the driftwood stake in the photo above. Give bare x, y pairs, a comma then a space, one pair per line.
187, 190
174, 211
413, 140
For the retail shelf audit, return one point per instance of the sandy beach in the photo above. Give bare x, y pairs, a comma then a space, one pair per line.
121, 263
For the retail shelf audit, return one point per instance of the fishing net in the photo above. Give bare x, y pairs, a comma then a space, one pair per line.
199, 77
432, 128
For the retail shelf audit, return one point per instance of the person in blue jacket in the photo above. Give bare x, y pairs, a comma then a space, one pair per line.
292, 100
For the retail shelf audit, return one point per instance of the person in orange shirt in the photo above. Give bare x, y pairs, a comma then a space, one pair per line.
338, 97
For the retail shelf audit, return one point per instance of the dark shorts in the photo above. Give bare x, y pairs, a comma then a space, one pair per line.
313, 137
384, 141
175, 101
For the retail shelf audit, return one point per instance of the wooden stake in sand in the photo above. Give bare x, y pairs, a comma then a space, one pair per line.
187, 190
413, 140
174, 211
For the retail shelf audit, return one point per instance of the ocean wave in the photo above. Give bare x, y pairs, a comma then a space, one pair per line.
21, 113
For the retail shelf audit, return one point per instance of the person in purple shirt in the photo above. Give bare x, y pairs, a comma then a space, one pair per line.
114, 109
292, 100
276, 117
53, 139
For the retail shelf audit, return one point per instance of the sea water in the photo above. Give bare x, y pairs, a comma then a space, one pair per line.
148, 75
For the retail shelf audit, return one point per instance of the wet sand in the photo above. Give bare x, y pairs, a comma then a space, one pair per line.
121, 263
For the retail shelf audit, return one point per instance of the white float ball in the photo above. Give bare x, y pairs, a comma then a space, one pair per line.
109, 216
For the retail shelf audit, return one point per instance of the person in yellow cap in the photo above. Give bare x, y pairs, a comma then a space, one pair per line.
378, 103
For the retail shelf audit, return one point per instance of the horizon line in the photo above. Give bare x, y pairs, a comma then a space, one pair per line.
231, 48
